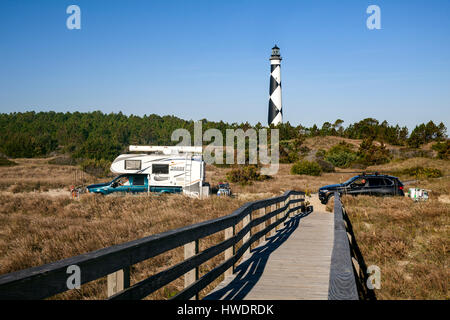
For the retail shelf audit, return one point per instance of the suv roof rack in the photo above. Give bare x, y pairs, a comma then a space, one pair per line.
376, 173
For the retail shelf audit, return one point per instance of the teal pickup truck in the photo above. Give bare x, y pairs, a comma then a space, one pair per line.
130, 183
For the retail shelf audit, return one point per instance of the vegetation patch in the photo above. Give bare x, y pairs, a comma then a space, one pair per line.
325, 165
310, 168
63, 161
4, 162
408, 241
443, 149
370, 154
245, 175
341, 155
420, 172
99, 168
289, 151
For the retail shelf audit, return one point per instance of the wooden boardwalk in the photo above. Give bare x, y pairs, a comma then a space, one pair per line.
294, 264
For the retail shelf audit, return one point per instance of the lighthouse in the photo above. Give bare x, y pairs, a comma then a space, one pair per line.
275, 110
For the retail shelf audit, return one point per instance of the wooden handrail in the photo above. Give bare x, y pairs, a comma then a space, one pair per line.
50, 279
342, 285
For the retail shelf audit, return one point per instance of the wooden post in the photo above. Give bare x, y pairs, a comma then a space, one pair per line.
272, 220
261, 226
290, 206
277, 206
191, 249
267, 222
245, 222
229, 232
287, 209
118, 281
296, 197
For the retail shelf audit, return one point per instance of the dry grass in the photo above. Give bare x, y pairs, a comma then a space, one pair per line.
326, 143
38, 175
397, 165
284, 181
38, 229
39, 223
408, 241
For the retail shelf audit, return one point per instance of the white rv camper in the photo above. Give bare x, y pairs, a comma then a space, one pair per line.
173, 168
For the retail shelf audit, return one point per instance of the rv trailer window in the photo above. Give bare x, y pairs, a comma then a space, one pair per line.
132, 164
160, 168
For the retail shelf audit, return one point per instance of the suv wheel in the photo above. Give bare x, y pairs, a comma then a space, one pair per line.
331, 195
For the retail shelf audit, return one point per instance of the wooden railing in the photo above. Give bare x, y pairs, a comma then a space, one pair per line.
342, 274
265, 216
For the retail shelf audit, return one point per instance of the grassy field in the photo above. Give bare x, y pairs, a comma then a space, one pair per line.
40, 223
409, 241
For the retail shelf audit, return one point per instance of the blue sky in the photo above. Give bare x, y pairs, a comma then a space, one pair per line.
209, 59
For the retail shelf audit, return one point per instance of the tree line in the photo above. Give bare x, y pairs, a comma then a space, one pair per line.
96, 135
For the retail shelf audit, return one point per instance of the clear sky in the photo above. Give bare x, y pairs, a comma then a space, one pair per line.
210, 59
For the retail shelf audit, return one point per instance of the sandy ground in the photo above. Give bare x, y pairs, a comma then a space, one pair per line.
315, 202
444, 199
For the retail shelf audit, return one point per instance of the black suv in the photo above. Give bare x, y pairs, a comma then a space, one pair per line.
367, 184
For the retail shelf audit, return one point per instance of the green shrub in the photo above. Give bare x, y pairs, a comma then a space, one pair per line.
290, 157
325, 165
443, 149
289, 151
370, 154
310, 168
341, 155
421, 172
320, 154
245, 175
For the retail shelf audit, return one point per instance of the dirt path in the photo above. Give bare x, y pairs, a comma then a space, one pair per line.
51, 193
315, 202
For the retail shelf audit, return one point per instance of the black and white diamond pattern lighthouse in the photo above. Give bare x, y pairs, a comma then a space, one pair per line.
275, 109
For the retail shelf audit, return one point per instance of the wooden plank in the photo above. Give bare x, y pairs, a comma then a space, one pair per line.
272, 220
246, 222
190, 250
229, 232
188, 292
266, 223
278, 216
118, 281
261, 225
147, 286
292, 205
295, 264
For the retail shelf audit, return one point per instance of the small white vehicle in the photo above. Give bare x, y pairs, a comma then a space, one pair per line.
418, 194
223, 189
